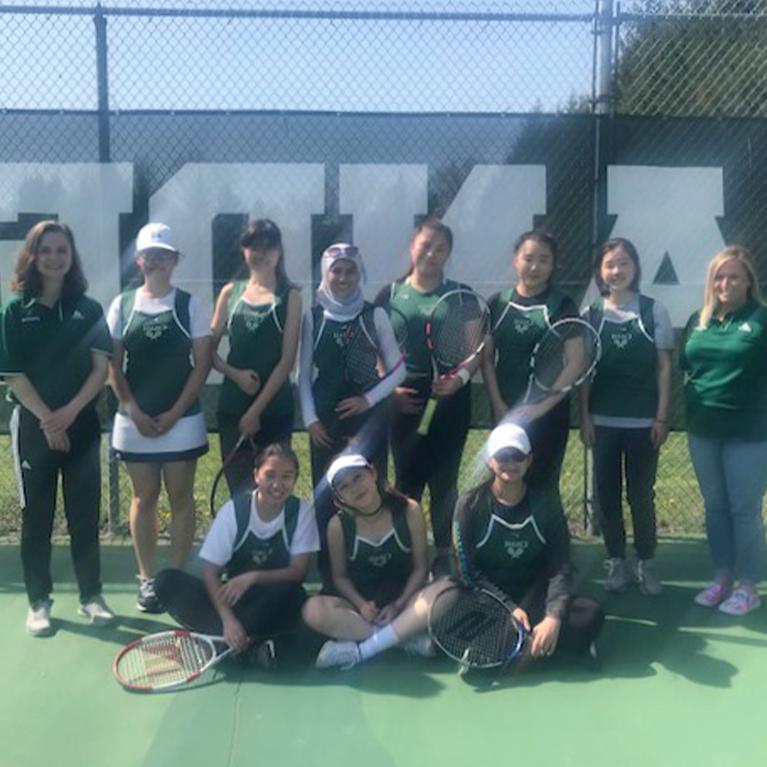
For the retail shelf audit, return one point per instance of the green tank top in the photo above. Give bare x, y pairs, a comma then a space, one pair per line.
516, 331
416, 308
509, 554
255, 343
370, 564
331, 383
625, 383
157, 353
254, 553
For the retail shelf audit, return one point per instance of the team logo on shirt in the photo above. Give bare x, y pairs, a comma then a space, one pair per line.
515, 549
77, 315
745, 327
380, 560
154, 329
254, 321
522, 325
260, 556
620, 340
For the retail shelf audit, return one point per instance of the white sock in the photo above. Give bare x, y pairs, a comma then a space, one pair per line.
382, 640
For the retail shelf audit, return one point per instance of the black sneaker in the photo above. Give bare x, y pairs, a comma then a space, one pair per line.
147, 600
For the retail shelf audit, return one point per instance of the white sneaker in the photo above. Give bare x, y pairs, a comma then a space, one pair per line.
39, 619
343, 655
617, 579
420, 645
96, 611
647, 578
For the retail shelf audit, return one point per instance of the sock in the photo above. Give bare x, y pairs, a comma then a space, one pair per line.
382, 640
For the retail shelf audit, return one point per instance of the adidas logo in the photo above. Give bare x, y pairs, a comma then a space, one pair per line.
25, 464
745, 327
77, 315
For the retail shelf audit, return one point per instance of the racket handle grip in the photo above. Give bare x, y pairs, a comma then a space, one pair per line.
428, 414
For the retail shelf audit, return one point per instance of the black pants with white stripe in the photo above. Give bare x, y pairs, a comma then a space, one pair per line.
37, 470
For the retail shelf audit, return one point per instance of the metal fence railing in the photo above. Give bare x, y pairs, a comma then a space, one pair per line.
438, 94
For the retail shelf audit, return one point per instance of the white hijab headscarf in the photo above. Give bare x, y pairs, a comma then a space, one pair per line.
351, 306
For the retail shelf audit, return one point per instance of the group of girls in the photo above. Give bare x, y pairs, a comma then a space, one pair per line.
375, 569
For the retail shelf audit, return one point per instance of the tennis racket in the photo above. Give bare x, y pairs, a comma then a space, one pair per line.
476, 628
564, 358
456, 333
219, 490
168, 659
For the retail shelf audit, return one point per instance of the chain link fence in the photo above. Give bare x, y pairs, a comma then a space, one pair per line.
291, 102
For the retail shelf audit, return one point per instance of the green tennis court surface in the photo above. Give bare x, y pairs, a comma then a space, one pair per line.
679, 685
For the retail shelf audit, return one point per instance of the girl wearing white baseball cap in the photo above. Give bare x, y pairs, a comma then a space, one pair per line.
513, 539
378, 598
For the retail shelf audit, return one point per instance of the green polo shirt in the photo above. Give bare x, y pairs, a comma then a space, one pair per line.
726, 381
52, 346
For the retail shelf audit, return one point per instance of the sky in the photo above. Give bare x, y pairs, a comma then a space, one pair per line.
427, 65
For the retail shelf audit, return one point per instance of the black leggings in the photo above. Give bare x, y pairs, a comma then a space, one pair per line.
262, 610
433, 459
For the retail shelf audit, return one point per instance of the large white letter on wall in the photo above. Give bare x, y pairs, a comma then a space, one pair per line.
493, 207
88, 197
287, 193
669, 211
383, 199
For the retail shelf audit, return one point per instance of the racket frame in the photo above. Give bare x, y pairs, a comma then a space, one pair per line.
464, 660
208, 640
589, 328
431, 404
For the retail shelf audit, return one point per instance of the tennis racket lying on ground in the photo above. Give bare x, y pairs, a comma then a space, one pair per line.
456, 333
476, 628
168, 659
563, 359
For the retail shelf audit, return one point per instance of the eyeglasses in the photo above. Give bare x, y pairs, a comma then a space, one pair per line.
342, 251
509, 455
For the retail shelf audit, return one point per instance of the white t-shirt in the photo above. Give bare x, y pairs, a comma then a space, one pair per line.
199, 316
219, 543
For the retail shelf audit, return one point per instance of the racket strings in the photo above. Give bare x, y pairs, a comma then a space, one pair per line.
459, 329
474, 629
566, 355
164, 661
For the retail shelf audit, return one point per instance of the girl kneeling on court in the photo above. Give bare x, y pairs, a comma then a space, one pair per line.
377, 546
514, 540
254, 559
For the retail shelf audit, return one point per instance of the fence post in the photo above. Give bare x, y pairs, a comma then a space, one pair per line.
605, 20
102, 83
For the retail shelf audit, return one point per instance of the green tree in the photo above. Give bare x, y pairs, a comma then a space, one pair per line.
708, 59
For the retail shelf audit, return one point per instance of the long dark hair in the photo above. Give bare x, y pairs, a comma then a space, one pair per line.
27, 279
264, 234
433, 224
630, 250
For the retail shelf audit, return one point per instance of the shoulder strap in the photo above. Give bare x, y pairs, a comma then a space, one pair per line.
647, 314
317, 323
554, 303
127, 301
242, 503
238, 288
401, 527
292, 507
595, 314
349, 529
181, 309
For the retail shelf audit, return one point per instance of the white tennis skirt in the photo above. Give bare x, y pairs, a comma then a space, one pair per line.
186, 440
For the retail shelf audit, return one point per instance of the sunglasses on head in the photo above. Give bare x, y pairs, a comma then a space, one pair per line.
341, 251
509, 455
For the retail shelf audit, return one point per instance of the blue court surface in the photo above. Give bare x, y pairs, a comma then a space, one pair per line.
678, 685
